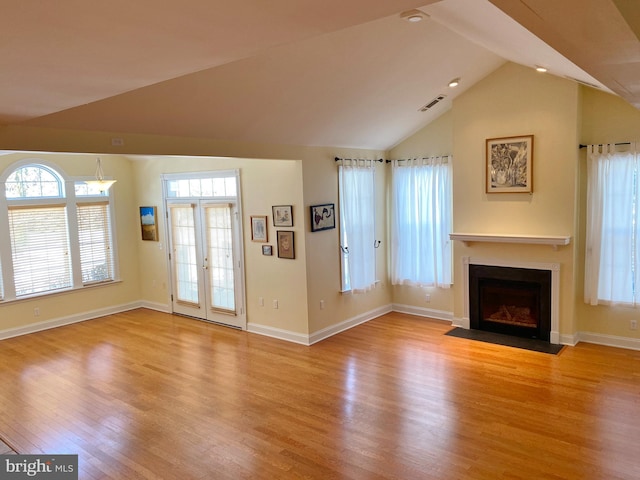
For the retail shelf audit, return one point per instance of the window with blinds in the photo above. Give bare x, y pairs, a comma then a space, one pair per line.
39, 249
94, 238
58, 233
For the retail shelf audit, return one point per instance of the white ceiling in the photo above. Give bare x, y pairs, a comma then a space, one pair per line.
348, 73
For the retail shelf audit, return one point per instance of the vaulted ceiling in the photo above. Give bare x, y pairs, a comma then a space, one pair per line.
352, 73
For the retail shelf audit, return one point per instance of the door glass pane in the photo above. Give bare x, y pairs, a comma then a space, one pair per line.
184, 253
220, 256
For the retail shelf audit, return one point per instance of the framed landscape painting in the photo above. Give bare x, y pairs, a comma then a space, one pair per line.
148, 223
509, 164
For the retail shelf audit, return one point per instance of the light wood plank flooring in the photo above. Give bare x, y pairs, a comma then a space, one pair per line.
145, 395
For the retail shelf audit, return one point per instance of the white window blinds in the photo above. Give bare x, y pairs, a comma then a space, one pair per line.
94, 236
40, 249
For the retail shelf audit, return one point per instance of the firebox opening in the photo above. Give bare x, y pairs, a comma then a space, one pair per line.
512, 301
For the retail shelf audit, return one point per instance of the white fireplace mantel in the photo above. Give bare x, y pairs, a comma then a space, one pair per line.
554, 241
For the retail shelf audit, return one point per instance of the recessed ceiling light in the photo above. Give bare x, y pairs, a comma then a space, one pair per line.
413, 16
454, 83
541, 69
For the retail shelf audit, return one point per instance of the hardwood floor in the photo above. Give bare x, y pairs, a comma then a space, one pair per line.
148, 395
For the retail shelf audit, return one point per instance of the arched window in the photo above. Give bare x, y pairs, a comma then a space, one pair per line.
34, 181
57, 233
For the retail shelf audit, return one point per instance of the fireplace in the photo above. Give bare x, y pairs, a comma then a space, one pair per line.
510, 300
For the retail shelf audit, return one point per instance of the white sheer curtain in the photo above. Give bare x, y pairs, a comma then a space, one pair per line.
611, 260
421, 206
356, 180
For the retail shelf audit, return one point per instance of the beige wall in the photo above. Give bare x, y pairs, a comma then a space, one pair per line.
20, 313
323, 258
512, 101
263, 183
270, 175
605, 119
435, 139
515, 100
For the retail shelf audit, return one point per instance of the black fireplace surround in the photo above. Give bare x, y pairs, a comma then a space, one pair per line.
512, 301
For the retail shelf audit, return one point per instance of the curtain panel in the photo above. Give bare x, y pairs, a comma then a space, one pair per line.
613, 227
356, 182
421, 211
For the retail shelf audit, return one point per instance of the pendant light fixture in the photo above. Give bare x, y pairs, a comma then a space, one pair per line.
100, 183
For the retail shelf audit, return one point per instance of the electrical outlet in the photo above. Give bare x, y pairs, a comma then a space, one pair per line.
427, 297
36, 312
321, 304
261, 301
633, 325
275, 304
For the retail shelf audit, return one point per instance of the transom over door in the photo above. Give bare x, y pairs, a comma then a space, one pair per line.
206, 270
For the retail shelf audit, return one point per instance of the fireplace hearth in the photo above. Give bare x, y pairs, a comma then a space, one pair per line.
512, 301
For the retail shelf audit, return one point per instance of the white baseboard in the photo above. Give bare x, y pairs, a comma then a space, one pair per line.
158, 307
566, 339
347, 324
423, 312
609, 340
59, 322
303, 339
278, 333
320, 334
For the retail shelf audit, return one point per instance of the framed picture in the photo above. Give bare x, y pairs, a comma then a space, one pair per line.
148, 224
259, 228
323, 217
267, 250
509, 165
282, 216
285, 244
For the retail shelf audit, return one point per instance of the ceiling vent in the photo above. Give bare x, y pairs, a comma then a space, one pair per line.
432, 103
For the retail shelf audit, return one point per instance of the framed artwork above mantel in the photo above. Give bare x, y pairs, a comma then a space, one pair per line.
509, 164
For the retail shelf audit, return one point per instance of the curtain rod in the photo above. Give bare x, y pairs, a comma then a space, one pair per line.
338, 159
418, 158
601, 144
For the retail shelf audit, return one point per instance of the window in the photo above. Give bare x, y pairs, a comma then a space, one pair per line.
58, 233
612, 273
421, 202
356, 183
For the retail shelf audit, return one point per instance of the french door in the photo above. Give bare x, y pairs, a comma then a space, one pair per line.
206, 260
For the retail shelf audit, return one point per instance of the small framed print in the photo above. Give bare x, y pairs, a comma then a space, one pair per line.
323, 217
282, 216
259, 228
285, 244
509, 163
267, 250
148, 223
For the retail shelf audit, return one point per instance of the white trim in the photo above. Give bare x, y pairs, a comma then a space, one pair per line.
460, 322
59, 322
566, 339
349, 323
423, 312
555, 287
158, 307
278, 333
554, 241
308, 340
609, 340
